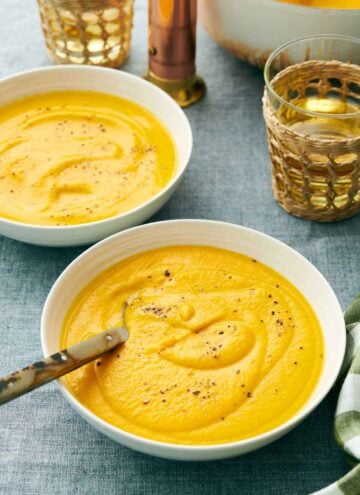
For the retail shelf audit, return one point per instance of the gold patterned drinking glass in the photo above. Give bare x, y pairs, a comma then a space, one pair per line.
94, 32
312, 114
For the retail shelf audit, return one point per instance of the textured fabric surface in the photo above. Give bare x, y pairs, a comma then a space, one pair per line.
347, 415
347, 420
45, 447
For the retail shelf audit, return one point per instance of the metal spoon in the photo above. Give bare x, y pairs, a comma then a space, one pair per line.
62, 362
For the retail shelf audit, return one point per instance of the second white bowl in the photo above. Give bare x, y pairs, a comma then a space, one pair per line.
266, 249
106, 81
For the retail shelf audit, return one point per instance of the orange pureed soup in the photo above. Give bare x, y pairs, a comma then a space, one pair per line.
221, 347
326, 4
72, 157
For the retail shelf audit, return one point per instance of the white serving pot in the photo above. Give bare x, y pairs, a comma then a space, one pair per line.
252, 29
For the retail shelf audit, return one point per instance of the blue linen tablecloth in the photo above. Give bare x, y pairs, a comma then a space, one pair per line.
45, 447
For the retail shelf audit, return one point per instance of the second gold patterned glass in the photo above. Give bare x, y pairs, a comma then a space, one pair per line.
312, 115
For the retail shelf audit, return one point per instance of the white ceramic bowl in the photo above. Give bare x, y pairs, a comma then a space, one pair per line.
255, 244
252, 29
70, 77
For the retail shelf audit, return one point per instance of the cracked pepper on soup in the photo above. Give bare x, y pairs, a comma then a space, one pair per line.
221, 347
73, 157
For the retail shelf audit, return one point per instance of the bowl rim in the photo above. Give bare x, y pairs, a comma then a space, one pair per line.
173, 447
122, 74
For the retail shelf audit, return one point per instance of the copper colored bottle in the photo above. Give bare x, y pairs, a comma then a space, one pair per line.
172, 41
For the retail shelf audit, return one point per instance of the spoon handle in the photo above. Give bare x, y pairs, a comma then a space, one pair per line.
58, 364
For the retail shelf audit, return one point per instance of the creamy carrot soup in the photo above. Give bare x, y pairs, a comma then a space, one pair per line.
327, 4
73, 157
221, 347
